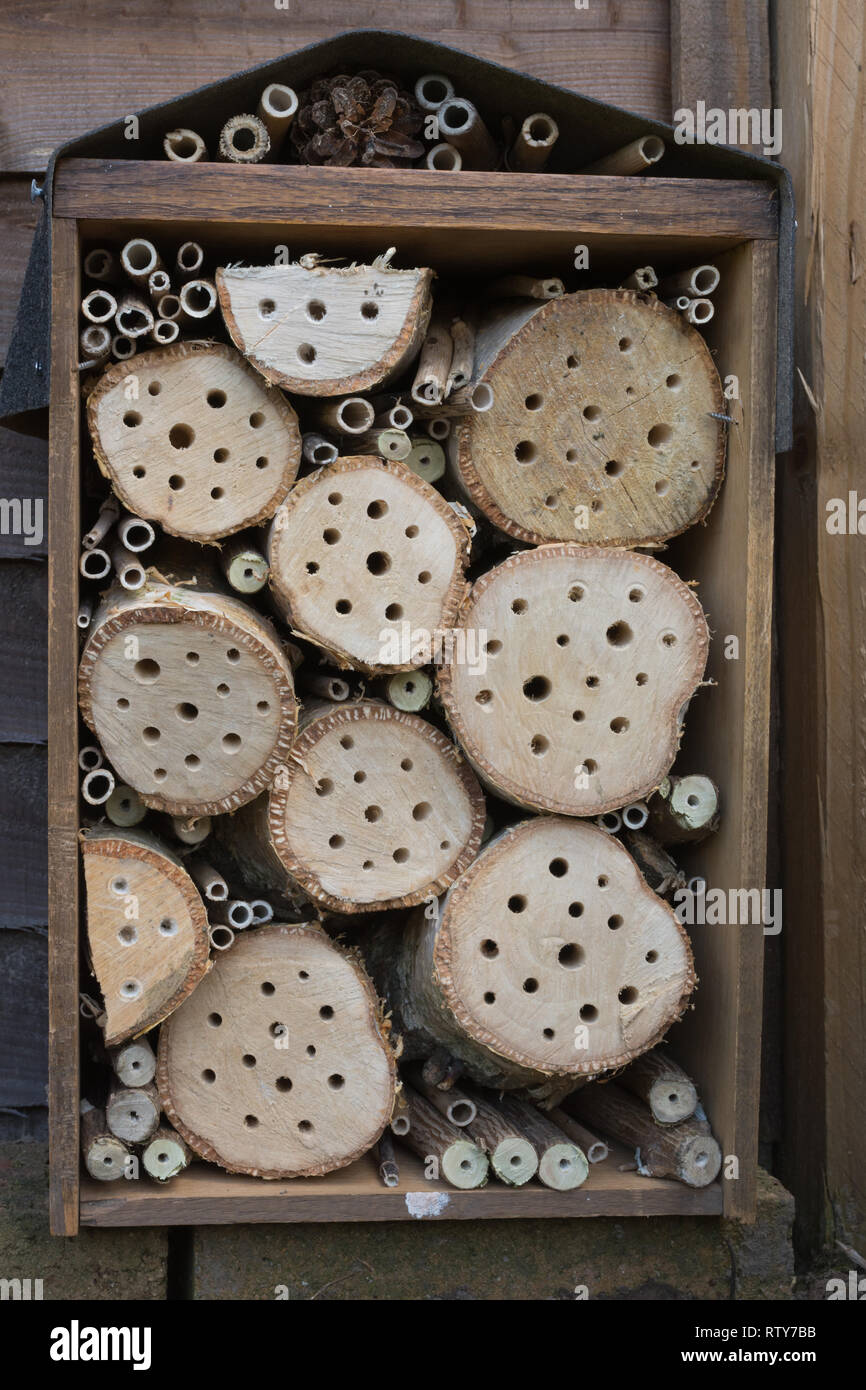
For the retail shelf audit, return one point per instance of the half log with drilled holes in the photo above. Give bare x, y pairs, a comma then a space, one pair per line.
146, 933
279, 1065
190, 695
375, 809
602, 421
367, 561
199, 443
591, 658
549, 959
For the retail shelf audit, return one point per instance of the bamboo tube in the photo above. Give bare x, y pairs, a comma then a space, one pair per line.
460, 125
184, 146
135, 533
189, 261
635, 158
437, 426
221, 936
700, 311
134, 1062
657, 867
463, 357
101, 264
105, 1156
475, 399
95, 563
524, 287
85, 613
387, 443
386, 1161
460, 1161
409, 690
191, 830
445, 158
262, 912
457, 1107
644, 278
595, 1149
166, 1155
140, 258
534, 144
122, 347
400, 1121
211, 883
109, 511
158, 284
434, 364
684, 809
165, 332
235, 913
326, 687
198, 299
611, 821
245, 567
397, 416
426, 459
95, 343
697, 885
99, 306
512, 1156
277, 108
243, 140
349, 414
90, 757
132, 1113
432, 89
128, 568
134, 317
659, 1081
125, 807
680, 302
686, 1151
97, 786
698, 283
635, 815
562, 1164
168, 308
318, 450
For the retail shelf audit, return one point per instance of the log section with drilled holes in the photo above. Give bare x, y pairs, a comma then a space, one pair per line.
326, 331
146, 931
363, 555
190, 695
550, 957
602, 403
592, 655
204, 447
279, 1065
375, 809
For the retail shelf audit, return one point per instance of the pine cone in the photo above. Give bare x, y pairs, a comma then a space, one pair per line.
366, 119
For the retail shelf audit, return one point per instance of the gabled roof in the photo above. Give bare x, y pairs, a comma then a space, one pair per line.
588, 130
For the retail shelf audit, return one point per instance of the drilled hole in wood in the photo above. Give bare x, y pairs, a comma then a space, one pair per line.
316, 311
283, 1084
186, 711
130, 989
489, 997
160, 774
669, 639
627, 995
369, 310
539, 745
534, 401
330, 535
146, 671
593, 682
266, 987
421, 811
484, 697
359, 776
347, 741
588, 1013
368, 864
343, 606
613, 468
216, 493
251, 1121
619, 725
576, 593
127, 936
591, 412
625, 345
651, 956
216, 399
372, 813
572, 361
139, 472
192, 761
192, 658
261, 462
660, 435
661, 486
324, 786
378, 562
596, 505
517, 903
263, 706
411, 532
537, 688
336, 1081
335, 498
525, 451
519, 605
673, 382
131, 419
407, 764
257, 419
614, 922
578, 716
208, 1075
151, 734
176, 482
489, 949
393, 612
267, 308
278, 1030
401, 855
590, 766
231, 742
619, 634
215, 1020
248, 1060
378, 508
181, 436
223, 690
336, 841
530, 985
424, 577
326, 1011
310, 1050
305, 1126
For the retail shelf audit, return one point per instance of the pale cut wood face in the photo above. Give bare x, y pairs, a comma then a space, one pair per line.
325, 331
555, 952
196, 442
278, 1066
591, 656
146, 932
602, 428
377, 809
364, 555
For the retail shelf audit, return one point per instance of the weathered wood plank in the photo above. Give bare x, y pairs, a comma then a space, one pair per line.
720, 54
59, 68
22, 815
822, 626
23, 627
23, 1017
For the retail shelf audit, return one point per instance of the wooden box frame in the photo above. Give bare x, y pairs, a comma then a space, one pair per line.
485, 222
